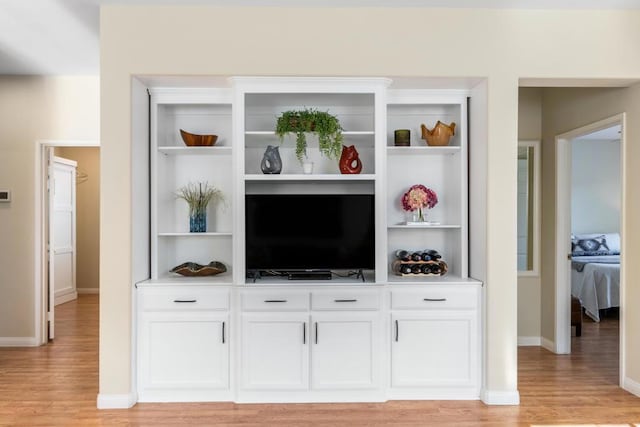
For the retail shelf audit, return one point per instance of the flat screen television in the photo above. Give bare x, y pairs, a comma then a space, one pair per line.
309, 232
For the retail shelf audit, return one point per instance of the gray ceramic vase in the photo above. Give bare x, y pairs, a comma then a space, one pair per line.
271, 161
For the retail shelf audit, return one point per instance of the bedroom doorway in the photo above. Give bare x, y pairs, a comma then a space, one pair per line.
580, 237
76, 266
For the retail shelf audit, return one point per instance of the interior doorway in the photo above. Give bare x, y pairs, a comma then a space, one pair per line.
67, 227
586, 244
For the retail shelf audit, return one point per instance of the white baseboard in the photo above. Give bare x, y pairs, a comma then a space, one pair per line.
548, 344
116, 401
65, 296
88, 290
631, 386
19, 342
529, 341
501, 397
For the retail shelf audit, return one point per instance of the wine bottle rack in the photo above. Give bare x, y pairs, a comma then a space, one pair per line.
397, 265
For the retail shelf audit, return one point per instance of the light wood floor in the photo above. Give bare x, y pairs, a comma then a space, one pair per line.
57, 385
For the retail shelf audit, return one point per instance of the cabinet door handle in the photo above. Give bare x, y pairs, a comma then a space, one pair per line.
435, 299
397, 331
184, 300
304, 332
345, 300
316, 332
223, 332
275, 300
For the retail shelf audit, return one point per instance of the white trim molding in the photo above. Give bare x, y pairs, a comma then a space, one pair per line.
500, 397
116, 401
548, 344
88, 290
65, 295
529, 341
19, 342
631, 386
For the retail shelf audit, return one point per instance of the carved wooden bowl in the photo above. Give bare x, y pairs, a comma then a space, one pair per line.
193, 140
194, 269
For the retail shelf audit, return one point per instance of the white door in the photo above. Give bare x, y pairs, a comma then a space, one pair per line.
275, 351
345, 351
62, 234
434, 349
183, 351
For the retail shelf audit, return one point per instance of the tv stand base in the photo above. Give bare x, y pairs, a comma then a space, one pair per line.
309, 275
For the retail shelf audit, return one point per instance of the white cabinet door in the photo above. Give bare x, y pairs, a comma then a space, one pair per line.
183, 350
434, 349
345, 351
275, 351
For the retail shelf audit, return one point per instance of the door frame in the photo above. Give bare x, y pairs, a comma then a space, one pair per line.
40, 242
563, 232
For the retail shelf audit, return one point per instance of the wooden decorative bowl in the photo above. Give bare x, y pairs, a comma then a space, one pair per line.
193, 140
194, 269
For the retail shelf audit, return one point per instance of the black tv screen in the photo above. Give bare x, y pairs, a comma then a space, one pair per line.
291, 232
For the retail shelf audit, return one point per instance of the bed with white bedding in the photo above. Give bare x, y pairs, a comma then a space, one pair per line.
595, 281
595, 271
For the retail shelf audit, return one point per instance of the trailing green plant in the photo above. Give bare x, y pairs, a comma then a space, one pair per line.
310, 120
199, 195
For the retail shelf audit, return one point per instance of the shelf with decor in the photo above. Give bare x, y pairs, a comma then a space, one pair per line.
421, 150
191, 150
300, 121
431, 153
309, 177
189, 234
214, 150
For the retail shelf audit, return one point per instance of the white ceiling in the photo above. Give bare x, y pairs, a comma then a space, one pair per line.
56, 37
608, 134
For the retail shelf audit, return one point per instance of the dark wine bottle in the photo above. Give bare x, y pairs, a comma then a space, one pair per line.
415, 269
436, 269
416, 256
403, 255
405, 269
426, 256
426, 269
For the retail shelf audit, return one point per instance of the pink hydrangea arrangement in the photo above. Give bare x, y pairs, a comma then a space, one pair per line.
417, 198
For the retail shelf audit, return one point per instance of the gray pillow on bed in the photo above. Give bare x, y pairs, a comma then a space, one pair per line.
595, 244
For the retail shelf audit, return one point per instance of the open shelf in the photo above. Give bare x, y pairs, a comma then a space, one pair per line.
447, 279
209, 234
310, 177
174, 279
414, 226
399, 151
169, 150
344, 133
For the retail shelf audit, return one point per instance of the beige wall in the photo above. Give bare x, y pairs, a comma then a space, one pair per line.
567, 109
529, 128
87, 215
501, 45
32, 108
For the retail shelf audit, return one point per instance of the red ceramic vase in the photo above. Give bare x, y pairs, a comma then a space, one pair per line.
350, 160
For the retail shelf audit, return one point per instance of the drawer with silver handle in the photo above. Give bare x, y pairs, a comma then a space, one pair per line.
345, 300
183, 298
435, 298
274, 300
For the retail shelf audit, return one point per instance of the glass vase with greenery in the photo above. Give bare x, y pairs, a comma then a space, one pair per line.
198, 196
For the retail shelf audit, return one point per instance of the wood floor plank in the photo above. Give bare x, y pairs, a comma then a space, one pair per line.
57, 385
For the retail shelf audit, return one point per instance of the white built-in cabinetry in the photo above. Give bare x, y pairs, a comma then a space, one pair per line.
319, 343
225, 338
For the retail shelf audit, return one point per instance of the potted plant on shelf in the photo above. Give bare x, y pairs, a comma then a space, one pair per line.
310, 120
198, 196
